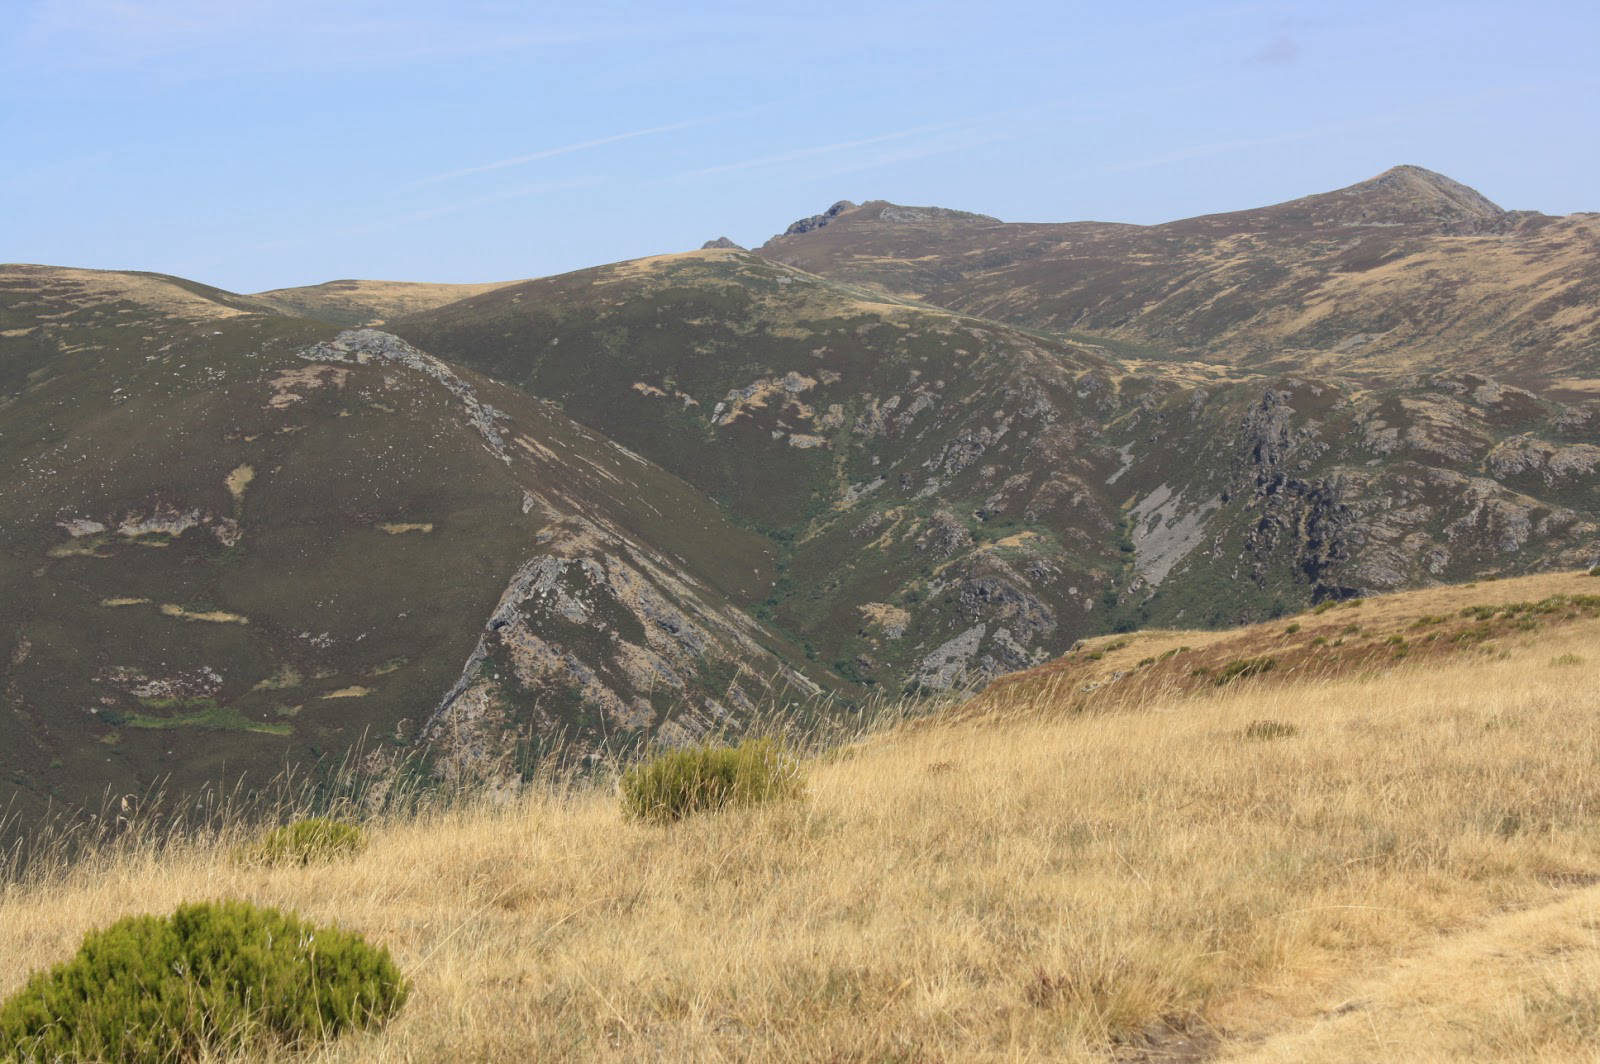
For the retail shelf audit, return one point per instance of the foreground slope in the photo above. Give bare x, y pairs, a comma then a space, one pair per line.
1279, 868
1408, 271
231, 540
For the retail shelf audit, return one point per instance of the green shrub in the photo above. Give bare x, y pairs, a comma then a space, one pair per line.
212, 978
1243, 668
1595, 571
677, 783
1292, 629
1270, 729
311, 839
1324, 606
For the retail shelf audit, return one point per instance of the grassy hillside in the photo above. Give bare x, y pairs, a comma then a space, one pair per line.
1396, 861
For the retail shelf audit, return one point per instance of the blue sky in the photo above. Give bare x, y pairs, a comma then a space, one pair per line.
255, 144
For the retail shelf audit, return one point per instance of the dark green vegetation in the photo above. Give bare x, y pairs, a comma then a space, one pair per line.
307, 840
211, 978
1270, 729
1244, 668
679, 783
909, 450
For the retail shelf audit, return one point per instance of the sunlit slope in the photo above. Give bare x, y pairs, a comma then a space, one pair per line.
358, 302
1439, 625
1395, 862
223, 547
1408, 271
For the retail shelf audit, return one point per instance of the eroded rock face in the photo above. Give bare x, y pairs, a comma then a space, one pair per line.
817, 221
953, 662
1553, 464
595, 623
1321, 489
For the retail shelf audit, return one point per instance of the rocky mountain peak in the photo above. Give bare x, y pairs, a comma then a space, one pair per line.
1401, 195
883, 212
721, 242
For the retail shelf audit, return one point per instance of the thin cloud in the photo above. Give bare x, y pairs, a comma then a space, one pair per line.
565, 149
185, 38
969, 140
396, 221
809, 153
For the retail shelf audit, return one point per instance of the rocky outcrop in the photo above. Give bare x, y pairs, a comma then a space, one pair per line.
362, 346
817, 221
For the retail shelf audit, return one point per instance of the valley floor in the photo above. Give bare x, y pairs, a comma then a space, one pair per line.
1400, 864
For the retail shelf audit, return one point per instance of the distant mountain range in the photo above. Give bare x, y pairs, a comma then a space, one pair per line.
895, 448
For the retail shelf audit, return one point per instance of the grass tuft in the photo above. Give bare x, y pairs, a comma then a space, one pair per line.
308, 840
1270, 729
679, 783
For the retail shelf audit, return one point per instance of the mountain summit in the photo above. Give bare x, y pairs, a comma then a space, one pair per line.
1401, 195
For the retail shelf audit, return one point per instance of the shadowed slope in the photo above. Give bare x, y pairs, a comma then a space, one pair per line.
225, 545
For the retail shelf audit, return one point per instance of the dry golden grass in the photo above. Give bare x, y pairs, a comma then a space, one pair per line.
1407, 876
1312, 646
378, 300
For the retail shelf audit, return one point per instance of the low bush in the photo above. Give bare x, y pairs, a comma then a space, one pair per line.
308, 840
1243, 668
678, 783
1270, 729
213, 978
